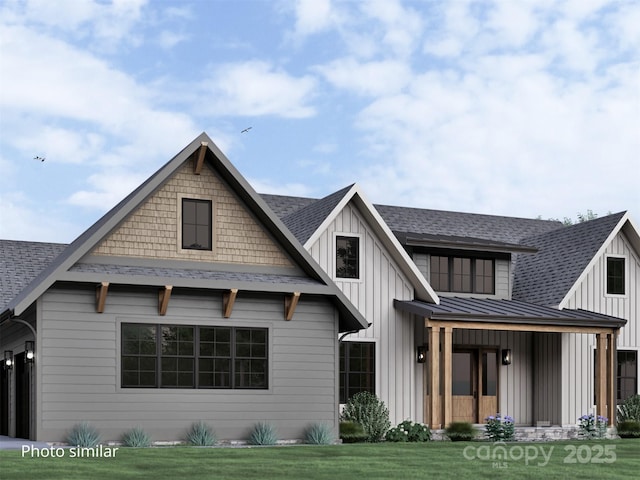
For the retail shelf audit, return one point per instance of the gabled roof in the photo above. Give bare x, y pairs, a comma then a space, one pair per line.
310, 221
508, 312
564, 256
421, 221
350, 318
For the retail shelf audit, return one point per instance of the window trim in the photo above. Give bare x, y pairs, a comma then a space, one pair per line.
334, 251
618, 350
195, 389
191, 251
606, 276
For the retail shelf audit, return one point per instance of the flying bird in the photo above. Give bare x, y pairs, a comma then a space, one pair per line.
246, 130
37, 157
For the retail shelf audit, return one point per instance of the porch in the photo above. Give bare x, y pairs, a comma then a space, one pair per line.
474, 314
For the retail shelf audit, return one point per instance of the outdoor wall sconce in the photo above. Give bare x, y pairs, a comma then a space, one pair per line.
506, 356
8, 359
29, 353
421, 354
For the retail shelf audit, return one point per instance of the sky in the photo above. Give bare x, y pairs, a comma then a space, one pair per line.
526, 108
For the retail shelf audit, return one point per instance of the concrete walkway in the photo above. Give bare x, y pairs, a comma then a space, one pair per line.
10, 443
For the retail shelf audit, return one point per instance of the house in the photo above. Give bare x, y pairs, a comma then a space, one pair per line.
197, 299
187, 301
529, 318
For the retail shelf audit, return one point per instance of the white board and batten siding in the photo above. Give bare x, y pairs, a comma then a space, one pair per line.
577, 349
398, 377
80, 375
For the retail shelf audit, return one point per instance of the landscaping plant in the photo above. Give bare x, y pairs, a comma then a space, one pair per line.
592, 426
370, 412
351, 432
136, 437
408, 431
263, 434
500, 429
320, 434
630, 409
83, 435
460, 431
201, 435
629, 429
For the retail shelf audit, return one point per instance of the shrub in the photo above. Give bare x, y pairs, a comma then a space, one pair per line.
591, 426
460, 431
263, 434
630, 409
201, 435
83, 435
136, 437
629, 429
320, 434
351, 432
500, 429
408, 431
370, 412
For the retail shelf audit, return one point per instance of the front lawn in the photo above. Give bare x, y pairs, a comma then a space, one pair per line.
463, 460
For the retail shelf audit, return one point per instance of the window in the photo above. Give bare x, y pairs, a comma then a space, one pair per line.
176, 356
615, 276
196, 224
347, 257
627, 374
462, 274
357, 369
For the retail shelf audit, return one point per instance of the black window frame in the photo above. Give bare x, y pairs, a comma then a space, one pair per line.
198, 225
616, 275
348, 360
256, 378
447, 279
351, 260
626, 373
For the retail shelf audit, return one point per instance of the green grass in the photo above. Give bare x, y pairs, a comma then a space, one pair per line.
352, 461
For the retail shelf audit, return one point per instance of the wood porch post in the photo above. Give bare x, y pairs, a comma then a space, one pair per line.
601, 374
447, 364
434, 369
611, 378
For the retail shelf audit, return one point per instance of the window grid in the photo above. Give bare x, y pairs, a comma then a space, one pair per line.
462, 274
615, 276
347, 257
172, 356
196, 224
357, 369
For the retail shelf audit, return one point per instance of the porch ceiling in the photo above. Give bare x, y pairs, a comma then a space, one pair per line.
507, 313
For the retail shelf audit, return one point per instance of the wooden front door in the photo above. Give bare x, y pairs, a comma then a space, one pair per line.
464, 386
474, 384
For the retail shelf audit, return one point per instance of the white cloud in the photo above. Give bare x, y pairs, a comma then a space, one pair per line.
367, 78
313, 16
256, 88
268, 186
108, 189
169, 39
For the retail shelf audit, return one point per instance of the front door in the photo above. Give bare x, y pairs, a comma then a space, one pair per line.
4, 401
23, 397
474, 384
464, 386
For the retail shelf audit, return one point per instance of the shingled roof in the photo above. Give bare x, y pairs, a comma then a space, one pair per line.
20, 263
407, 220
563, 254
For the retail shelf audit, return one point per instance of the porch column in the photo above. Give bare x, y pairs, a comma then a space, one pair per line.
601, 374
611, 378
447, 364
434, 368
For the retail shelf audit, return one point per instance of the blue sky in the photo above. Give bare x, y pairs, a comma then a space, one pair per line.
508, 107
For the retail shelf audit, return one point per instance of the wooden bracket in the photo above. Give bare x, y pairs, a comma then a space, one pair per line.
200, 161
228, 299
290, 303
163, 299
101, 296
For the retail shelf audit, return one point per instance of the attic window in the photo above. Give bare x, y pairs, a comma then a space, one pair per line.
347, 257
196, 224
615, 276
